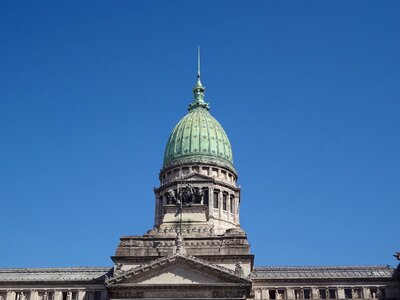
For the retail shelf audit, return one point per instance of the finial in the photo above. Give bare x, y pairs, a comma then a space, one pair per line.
199, 89
198, 61
198, 67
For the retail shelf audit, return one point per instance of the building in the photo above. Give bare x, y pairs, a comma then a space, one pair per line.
197, 249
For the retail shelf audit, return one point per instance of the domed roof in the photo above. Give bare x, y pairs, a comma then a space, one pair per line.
198, 137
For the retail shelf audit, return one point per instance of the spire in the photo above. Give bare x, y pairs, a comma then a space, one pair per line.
198, 67
199, 89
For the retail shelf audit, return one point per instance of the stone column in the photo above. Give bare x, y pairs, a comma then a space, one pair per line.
81, 294
257, 294
220, 196
289, 293
237, 200
57, 295
265, 294
340, 293
315, 292
10, 295
211, 202
228, 206
365, 292
34, 295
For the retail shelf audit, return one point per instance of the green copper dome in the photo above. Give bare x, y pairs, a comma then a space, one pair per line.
198, 137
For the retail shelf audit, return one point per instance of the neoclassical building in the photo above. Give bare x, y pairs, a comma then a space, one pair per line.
197, 248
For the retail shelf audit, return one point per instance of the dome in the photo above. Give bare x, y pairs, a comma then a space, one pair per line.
198, 137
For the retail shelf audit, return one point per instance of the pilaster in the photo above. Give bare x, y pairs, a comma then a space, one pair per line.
81, 294
265, 294
34, 295
340, 292
10, 295
315, 292
289, 293
57, 295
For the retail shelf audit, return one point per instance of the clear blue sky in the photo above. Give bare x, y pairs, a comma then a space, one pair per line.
308, 92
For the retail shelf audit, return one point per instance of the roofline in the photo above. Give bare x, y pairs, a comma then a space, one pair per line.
322, 267
61, 269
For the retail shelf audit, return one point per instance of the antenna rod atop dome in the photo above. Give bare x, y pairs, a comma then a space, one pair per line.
198, 61
198, 83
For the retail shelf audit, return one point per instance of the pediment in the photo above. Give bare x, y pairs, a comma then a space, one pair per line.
178, 274
196, 176
176, 270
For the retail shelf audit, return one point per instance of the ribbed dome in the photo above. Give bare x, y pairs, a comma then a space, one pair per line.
198, 138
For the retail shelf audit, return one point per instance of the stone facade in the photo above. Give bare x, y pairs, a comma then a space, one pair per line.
197, 249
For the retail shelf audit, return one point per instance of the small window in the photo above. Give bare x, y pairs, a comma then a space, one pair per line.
332, 293
272, 294
374, 293
348, 294
322, 293
382, 294
215, 199
307, 293
64, 295
205, 196
298, 294
97, 295
73, 295
280, 294
224, 198
231, 203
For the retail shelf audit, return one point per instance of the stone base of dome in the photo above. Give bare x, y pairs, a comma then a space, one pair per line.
224, 250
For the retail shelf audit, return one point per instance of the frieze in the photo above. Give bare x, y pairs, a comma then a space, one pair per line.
228, 294
195, 208
178, 294
215, 183
185, 230
126, 294
188, 241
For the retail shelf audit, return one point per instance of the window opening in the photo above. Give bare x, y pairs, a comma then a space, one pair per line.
215, 199
224, 201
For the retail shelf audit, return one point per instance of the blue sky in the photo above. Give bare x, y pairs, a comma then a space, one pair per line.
307, 91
